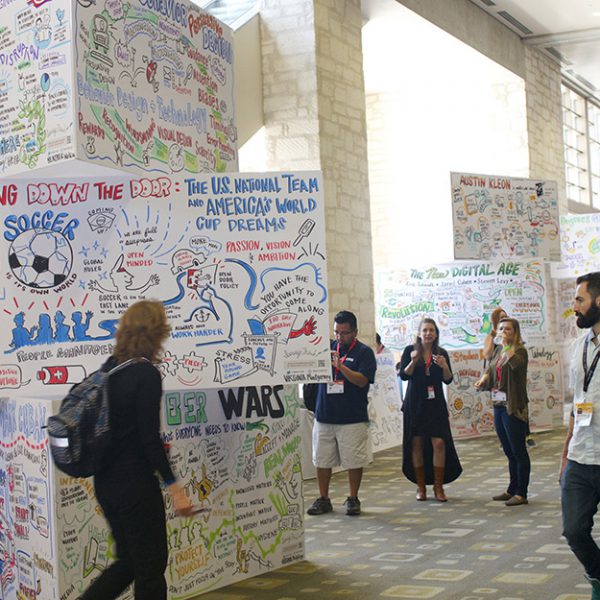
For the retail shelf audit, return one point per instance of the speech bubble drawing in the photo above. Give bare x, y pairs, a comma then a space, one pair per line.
204, 244
11, 377
123, 54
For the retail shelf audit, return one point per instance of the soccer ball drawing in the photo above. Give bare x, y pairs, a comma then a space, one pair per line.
40, 258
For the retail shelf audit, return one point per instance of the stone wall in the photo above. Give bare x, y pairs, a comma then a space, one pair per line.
544, 120
472, 25
314, 106
467, 22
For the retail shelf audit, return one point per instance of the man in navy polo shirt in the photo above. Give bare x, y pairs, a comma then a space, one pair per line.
341, 427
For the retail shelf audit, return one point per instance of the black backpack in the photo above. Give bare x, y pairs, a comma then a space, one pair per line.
309, 396
79, 434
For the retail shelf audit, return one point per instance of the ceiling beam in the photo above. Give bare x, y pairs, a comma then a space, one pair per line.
566, 37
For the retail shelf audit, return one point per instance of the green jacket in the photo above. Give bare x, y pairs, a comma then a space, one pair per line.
513, 381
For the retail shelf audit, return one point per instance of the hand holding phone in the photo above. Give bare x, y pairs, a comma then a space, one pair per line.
335, 359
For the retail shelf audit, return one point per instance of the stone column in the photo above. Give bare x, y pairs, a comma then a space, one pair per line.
314, 104
544, 121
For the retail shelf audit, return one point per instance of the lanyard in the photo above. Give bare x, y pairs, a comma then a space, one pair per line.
427, 364
587, 375
499, 366
342, 359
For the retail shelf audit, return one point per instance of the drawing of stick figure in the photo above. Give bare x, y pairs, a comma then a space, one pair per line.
146, 153
118, 153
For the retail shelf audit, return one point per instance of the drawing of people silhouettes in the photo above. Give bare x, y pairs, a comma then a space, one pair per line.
21, 336
43, 31
122, 280
61, 331
44, 330
80, 327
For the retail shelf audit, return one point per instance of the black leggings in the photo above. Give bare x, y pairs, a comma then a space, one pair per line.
136, 515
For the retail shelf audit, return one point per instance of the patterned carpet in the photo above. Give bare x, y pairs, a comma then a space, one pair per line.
470, 548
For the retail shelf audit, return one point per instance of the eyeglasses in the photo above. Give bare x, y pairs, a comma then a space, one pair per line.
343, 333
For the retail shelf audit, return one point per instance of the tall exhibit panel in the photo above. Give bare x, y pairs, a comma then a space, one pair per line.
238, 261
91, 91
29, 566
142, 86
235, 450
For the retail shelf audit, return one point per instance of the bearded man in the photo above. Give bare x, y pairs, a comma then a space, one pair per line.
580, 465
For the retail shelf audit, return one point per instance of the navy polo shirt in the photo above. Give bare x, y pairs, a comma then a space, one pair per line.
351, 406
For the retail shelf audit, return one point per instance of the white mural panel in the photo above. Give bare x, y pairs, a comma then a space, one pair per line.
238, 261
471, 411
461, 298
237, 453
36, 85
580, 246
142, 86
504, 217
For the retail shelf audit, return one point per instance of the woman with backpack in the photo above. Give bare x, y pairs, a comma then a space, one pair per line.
127, 488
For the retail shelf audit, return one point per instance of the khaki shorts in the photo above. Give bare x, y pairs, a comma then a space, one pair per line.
341, 445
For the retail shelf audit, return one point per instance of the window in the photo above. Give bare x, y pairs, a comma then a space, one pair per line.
594, 142
581, 136
227, 11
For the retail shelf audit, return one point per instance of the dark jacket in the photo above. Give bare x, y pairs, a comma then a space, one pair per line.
513, 381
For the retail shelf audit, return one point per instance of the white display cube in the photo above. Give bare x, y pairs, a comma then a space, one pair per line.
243, 473
144, 87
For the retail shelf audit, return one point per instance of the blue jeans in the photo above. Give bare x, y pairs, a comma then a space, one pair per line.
580, 495
512, 433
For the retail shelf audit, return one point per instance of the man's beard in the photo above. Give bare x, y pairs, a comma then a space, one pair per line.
590, 318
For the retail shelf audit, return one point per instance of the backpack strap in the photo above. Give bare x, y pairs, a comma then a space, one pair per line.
126, 364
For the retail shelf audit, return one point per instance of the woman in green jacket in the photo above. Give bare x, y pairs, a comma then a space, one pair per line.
506, 377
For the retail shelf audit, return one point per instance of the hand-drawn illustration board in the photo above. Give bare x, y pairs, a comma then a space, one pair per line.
461, 298
471, 412
36, 89
545, 387
499, 217
238, 261
29, 566
154, 87
580, 246
385, 416
237, 453
568, 332
564, 293
142, 86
